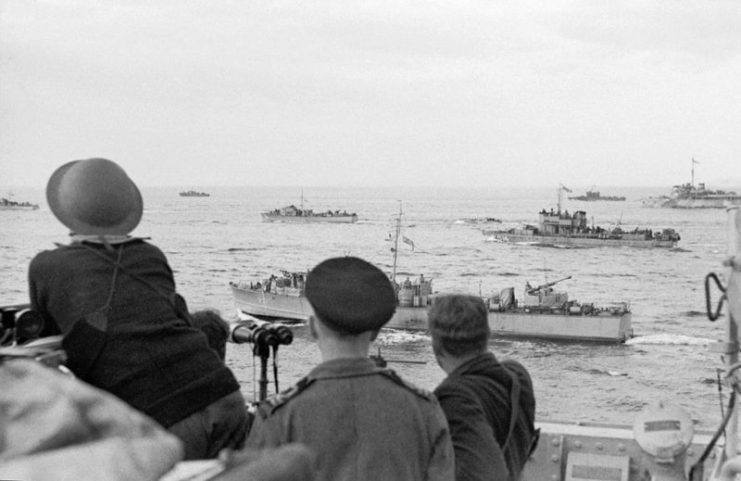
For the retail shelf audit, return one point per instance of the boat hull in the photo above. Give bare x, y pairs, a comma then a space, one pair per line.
613, 328
310, 219
575, 241
274, 305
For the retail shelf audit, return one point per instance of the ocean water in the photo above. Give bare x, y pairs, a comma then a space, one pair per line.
211, 241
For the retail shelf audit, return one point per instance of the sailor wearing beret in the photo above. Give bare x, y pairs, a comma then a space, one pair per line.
362, 421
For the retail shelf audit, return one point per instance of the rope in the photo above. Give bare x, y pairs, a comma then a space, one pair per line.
721, 429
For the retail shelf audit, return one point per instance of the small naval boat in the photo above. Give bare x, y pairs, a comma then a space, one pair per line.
689, 196
300, 215
9, 204
545, 313
559, 228
594, 195
193, 193
542, 314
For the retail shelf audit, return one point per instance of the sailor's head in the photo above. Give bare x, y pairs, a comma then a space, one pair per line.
458, 325
350, 295
94, 197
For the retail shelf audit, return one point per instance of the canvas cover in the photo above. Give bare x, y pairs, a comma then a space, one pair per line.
55, 427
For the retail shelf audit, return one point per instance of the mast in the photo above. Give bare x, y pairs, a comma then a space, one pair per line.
561, 188
396, 244
692, 182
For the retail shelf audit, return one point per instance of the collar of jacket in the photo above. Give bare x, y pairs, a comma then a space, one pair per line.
485, 360
345, 367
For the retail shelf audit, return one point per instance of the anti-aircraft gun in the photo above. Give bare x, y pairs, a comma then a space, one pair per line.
531, 291
542, 297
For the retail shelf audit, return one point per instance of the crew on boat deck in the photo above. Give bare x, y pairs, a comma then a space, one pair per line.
125, 328
364, 422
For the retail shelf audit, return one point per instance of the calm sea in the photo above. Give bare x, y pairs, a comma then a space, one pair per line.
211, 241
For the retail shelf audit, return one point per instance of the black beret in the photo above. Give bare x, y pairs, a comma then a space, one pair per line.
350, 294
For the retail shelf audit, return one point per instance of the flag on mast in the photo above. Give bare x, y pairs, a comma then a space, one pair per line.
407, 240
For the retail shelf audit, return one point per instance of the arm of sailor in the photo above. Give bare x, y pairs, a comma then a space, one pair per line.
477, 452
442, 460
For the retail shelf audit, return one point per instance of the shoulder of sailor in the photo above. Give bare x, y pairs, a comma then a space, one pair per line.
398, 380
271, 404
516, 368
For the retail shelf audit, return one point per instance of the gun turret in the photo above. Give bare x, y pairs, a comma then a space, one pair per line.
533, 290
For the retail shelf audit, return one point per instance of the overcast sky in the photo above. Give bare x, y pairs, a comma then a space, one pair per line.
449, 92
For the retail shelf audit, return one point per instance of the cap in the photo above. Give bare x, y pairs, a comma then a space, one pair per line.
350, 294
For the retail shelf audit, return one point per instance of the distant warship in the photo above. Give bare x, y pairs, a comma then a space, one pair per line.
689, 196
594, 195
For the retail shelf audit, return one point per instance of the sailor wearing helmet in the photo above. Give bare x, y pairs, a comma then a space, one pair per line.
125, 328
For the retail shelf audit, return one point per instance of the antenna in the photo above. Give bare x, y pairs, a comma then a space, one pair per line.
396, 244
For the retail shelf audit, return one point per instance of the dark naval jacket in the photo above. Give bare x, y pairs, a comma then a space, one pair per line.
123, 329
363, 422
492, 440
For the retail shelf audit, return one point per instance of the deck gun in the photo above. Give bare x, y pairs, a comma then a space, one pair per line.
532, 290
